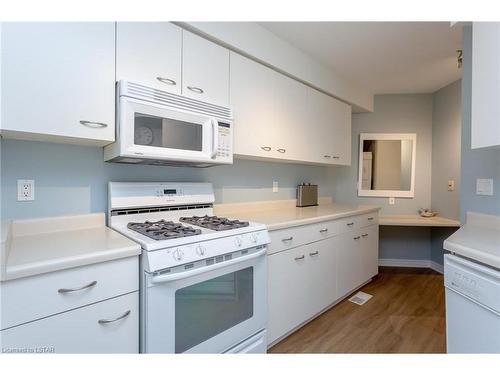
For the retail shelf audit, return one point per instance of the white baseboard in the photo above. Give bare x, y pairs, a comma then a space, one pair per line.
417, 263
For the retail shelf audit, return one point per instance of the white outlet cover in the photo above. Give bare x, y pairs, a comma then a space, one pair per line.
484, 186
25, 190
275, 186
392, 200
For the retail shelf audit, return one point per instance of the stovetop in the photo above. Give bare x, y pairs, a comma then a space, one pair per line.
214, 222
163, 229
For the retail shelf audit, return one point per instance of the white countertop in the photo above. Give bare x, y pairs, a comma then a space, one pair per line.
478, 239
417, 221
283, 214
32, 247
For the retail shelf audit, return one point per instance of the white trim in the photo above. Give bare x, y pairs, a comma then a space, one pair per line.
387, 193
417, 263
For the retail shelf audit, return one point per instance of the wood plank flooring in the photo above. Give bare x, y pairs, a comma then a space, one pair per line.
405, 315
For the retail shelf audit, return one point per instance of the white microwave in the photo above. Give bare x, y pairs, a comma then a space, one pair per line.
160, 128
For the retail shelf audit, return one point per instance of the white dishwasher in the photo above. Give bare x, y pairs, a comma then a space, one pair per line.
472, 306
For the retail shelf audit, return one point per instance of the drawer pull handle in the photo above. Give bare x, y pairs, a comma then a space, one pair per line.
336, 157
327, 156
281, 150
287, 239
300, 258
370, 218
314, 253
266, 148
323, 230
350, 224
107, 321
93, 124
64, 290
167, 81
356, 238
364, 235
196, 89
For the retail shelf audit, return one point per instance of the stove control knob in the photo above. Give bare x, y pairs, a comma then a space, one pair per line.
238, 241
254, 237
200, 250
178, 254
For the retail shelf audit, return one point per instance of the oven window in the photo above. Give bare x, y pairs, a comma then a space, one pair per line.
168, 133
206, 309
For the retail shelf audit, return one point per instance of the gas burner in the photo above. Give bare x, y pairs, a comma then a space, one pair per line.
214, 222
163, 230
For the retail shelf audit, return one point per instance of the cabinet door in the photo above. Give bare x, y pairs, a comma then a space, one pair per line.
58, 81
351, 267
369, 239
149, 53
252, 101
288, 302
291, 120
322, 274
340, 120
485, 112
205, 70
110, 326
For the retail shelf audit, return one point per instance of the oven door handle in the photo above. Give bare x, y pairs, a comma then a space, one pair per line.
183, 275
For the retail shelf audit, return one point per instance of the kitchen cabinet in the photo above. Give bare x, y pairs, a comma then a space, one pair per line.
312, 267
110, 326
58, 81
205, 70
279, 118
485, 112
150, 54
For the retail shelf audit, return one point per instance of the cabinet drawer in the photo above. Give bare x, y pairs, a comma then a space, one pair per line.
35, 297
291, 237
111, 326
357, 222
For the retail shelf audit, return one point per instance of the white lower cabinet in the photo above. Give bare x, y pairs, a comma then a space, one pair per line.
110, 326
306, 279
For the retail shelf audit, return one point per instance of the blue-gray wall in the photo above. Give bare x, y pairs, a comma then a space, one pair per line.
479, 163
73, 179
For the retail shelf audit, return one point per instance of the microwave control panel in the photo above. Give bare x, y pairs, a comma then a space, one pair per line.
225, 149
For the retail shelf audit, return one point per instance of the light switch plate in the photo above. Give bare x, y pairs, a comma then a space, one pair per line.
392, 201
484, 186
451, 185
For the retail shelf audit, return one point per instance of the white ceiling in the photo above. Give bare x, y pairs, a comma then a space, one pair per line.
383, 57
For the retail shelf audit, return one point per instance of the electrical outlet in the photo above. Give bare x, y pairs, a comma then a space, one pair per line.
25, 190
275, 186
451, 185
392, 201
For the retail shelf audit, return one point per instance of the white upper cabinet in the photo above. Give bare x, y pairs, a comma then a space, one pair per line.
485, 111
252, 101
149, 53
205, 70
58, 81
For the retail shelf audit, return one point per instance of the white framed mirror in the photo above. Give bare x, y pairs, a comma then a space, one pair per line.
387, 165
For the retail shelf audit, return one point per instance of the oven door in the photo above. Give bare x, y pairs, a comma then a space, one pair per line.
208, 310
148, 130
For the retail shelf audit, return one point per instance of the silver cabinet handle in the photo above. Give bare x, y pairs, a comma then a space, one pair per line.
281, 150
364, 235
323, 230
336, 157
370, 218
356, 238
64, 290
195, 89
167, 81
299, 258
266, 148
287, 239
350, 224
93, 124
107, 321
327, 156
314, 253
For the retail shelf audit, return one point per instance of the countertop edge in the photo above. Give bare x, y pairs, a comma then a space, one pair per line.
319, 219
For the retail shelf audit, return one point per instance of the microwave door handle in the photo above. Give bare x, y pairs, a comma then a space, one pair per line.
215, 137
183, 275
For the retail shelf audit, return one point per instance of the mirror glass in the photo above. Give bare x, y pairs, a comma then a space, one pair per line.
386, 165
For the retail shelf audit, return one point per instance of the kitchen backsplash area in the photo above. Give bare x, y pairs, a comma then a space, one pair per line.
73, 179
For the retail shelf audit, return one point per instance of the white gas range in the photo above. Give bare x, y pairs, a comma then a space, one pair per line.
204, 278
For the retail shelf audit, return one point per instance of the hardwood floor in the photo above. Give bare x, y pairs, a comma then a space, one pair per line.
405, 315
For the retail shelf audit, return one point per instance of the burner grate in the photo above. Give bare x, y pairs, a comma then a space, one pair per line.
163, 230
214, 222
